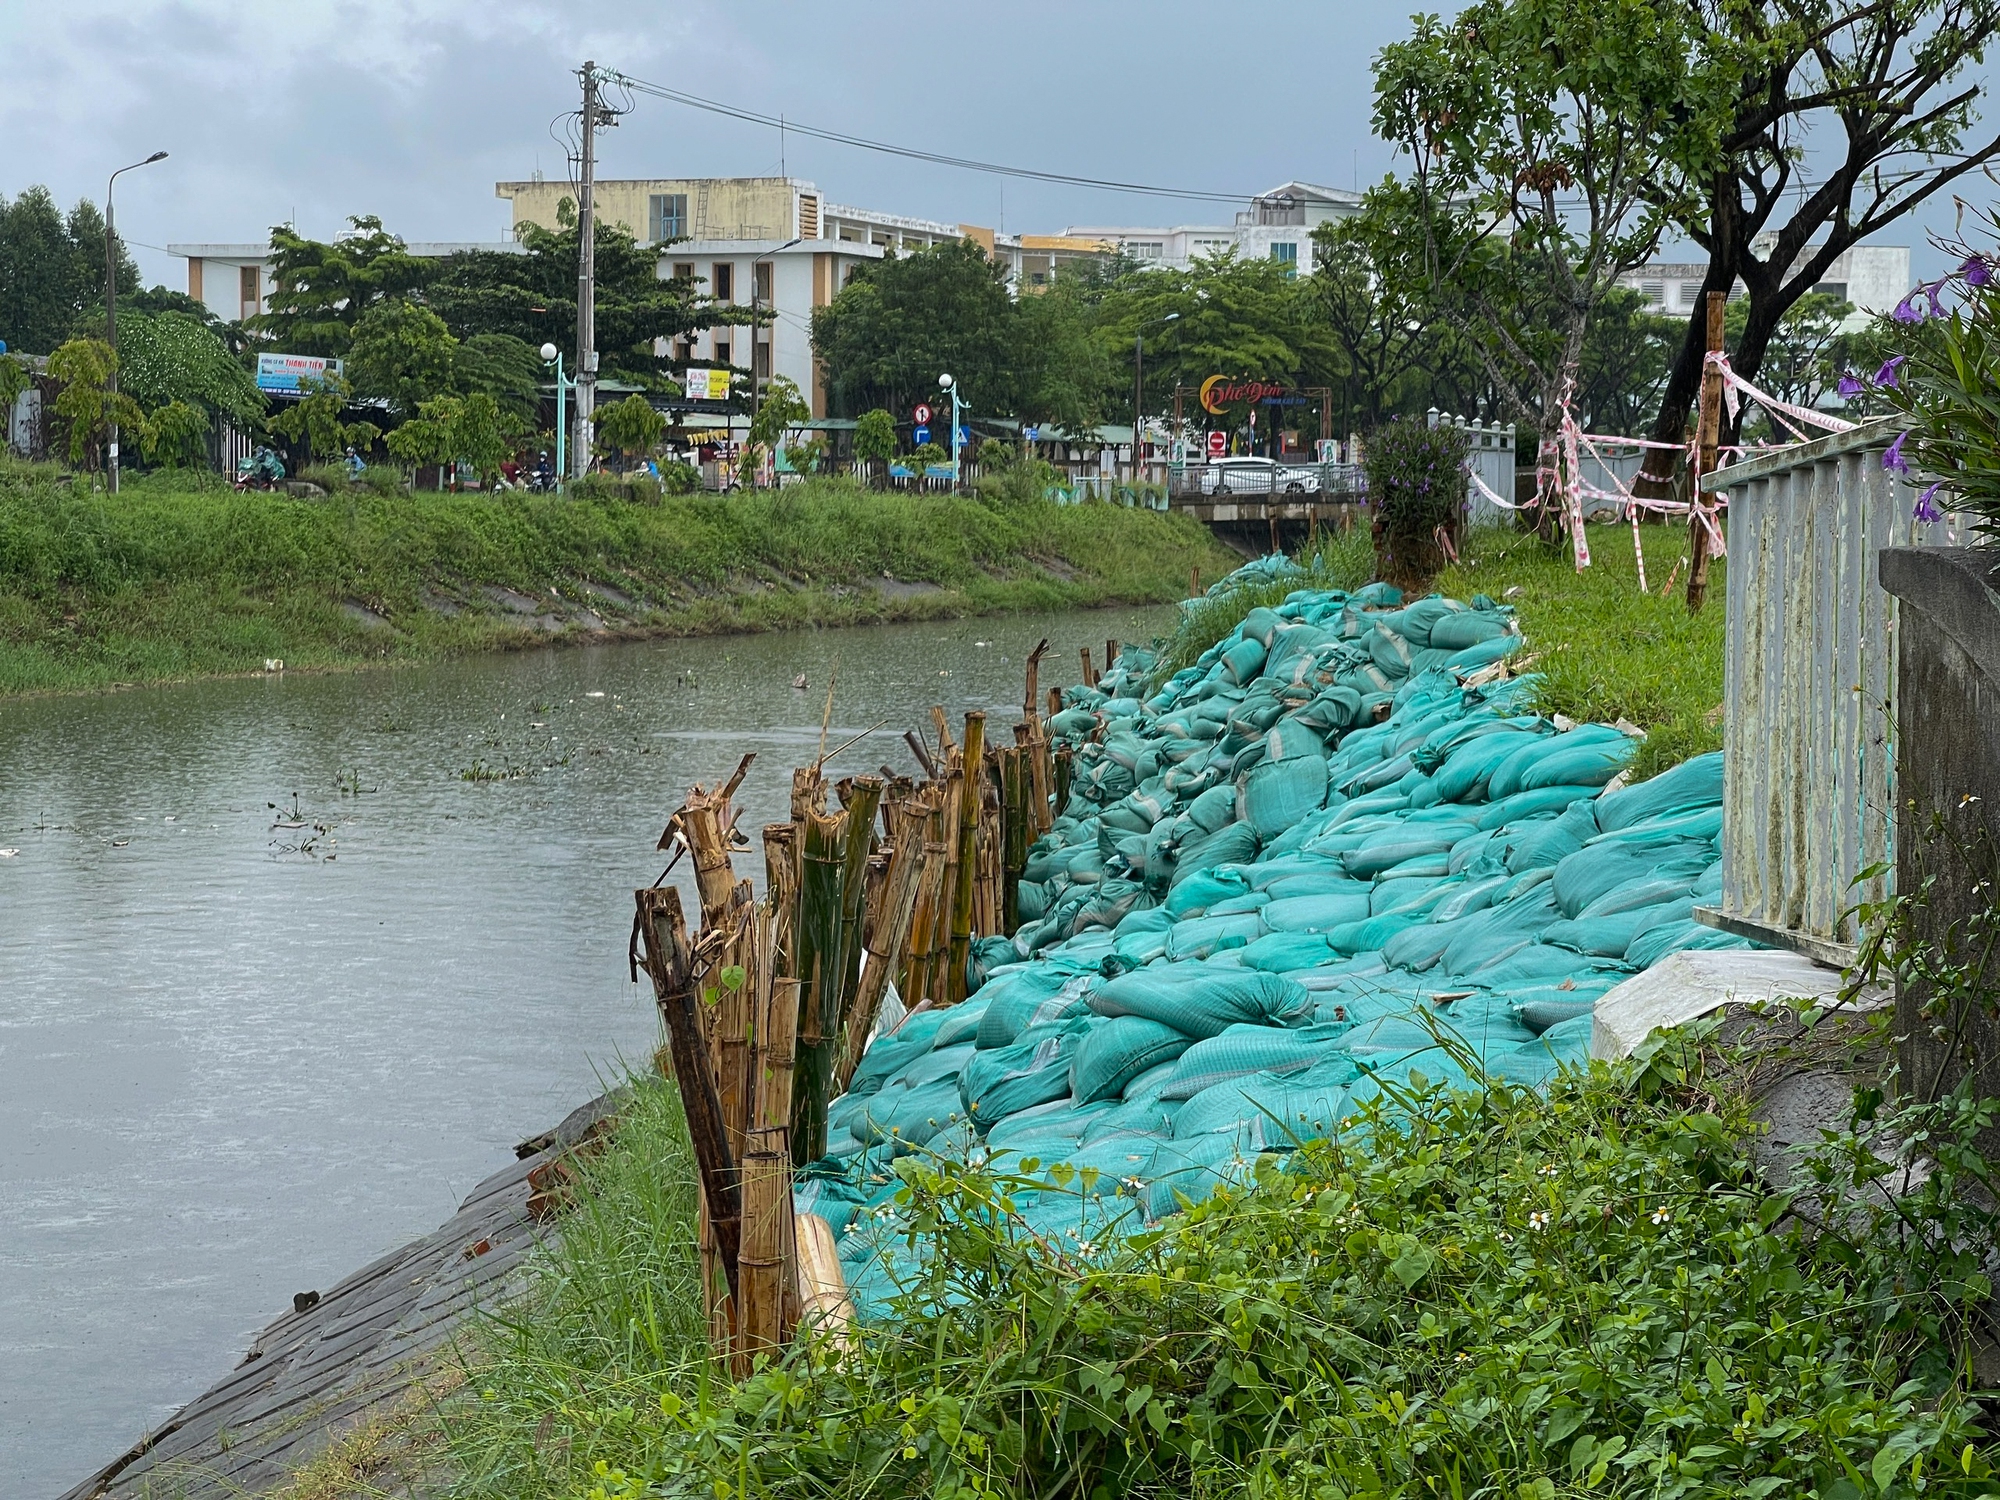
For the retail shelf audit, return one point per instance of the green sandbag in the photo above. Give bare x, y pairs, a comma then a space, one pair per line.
1414, 896
1525, 806
939, 1062
889, 1055
1241, 1050
1476, 894
1243, 661
1201, 1000
1283, 1109
1587, 748
1545, 846
1393, 846
1609, 936
1288, 739
1278, 793
1031, 900
1655, 943
1464, 775
1116, 1050
1539, 1015
1112, 1162
1368, 936
1420, 620
1183, 1172
1319, 913
1004, 1080
1691, 784
1332, 709
1023, 1005
1596, 870
1335, 881
1287, 952
1043, 1127
1194, 892
961, 1024
908, 1116
1235, 844
1472, 627
1261, 625
1472, 658
1485, 936
1213, 809
1390, 652
1646, 890
1198, 937
1532, 961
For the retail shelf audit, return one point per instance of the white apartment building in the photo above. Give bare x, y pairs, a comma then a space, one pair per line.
1872, 277
1278, 226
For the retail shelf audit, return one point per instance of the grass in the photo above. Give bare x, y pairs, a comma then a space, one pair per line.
177, 578
1502, 1293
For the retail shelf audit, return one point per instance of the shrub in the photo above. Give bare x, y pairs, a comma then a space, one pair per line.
1416, 485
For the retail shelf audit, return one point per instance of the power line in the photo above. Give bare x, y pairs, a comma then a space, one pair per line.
793, 127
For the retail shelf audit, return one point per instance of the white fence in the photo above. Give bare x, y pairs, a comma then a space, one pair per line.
1490, 454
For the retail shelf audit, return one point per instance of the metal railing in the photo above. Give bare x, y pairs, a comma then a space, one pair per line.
1338, 483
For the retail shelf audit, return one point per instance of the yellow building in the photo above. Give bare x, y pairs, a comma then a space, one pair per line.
656, 209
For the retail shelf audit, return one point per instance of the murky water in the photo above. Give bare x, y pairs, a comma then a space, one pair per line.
238, 1061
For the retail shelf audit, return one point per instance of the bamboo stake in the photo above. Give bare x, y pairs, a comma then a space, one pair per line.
734, 1026
766, 1206
708, 840
1709, 438
968, 848
828, 1310
865, 797
888, 936
1028, 702
921, 751
1089, 672
819, 962
1111, 648
669, 962
943, 727
1055, 702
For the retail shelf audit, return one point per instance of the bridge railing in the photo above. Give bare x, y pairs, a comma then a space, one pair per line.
1345, 483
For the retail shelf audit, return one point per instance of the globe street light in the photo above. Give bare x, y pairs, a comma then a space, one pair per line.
1138, 381
950, 388
111, 307
551, 355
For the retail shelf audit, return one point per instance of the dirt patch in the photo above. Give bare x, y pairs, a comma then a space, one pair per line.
897, 588
604, 593
514, 603
441, 604
1055, 567
355, 610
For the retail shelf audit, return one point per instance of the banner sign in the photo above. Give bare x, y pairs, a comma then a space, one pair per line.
293, 374
1220, 392
707, 385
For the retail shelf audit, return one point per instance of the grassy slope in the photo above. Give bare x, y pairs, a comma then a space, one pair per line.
166, 581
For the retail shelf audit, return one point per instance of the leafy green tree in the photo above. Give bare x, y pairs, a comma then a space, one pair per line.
630, 428
501, 366
531, 297
482, 434
874, 440
1545, 140
1627, 351
1065, 375
314, 420
905, 320
321, 293
170, 356
14, 379
780, 408
403, 354
1802, 360
176, 436
449, 429
87, 404
52, 269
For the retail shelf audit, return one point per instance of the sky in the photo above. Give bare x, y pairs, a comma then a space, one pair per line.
307, 111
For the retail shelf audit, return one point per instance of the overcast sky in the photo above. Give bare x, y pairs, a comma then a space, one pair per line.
311, 110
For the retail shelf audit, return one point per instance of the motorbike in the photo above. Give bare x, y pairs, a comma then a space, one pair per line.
262, 470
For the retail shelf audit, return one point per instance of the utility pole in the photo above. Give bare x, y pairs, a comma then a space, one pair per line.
111, 310
586, 280
1708, 438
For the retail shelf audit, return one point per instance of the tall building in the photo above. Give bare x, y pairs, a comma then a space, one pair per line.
1872, 277
1278, 225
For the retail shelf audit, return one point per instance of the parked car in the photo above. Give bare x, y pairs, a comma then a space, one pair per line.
1258, 476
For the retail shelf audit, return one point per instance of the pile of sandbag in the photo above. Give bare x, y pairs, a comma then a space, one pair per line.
1340, 859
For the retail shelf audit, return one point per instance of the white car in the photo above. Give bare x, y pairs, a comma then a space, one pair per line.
1258, 476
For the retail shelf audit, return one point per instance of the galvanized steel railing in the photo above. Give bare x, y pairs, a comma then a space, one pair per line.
1809, 688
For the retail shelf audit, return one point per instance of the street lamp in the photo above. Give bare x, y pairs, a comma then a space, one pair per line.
950, 388
551, 355
756, 391
111, 305
1138, 382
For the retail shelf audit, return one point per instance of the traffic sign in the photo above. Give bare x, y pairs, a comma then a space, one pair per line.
923, 415
1031, 434
964, 436
1218, 444
922, 434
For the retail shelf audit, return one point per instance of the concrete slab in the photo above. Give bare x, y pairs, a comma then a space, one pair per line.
1685, 986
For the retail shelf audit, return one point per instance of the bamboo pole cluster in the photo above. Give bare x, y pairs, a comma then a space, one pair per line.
872, 882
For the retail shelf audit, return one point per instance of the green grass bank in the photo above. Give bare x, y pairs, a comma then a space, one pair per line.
174, 579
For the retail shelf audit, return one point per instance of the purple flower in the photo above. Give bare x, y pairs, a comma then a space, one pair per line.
1975, 271
1931, 291
1925, 510
1850, 386
1893, 459
1887, 374
1906, 310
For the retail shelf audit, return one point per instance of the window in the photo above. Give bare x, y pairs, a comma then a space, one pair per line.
1833, 289
808, 217
1655, 293
849, 236
666, 217
721, 355
1145, 249
1286, 254
722, 281
760, 282
762, 356
251, 295
1690, 293
684, 270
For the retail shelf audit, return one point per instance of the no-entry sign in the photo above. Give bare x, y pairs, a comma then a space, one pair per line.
1218, 444
923, 416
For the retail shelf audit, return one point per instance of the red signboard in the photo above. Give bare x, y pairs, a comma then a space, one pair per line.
1218, 444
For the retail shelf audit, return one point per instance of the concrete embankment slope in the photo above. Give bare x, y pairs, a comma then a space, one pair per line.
372, 1350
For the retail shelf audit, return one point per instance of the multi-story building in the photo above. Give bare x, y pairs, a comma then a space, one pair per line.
234, 281
1278, 226
1872, 277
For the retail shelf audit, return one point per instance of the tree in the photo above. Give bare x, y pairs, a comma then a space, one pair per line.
1877, 89
501, 366
450, 429
321, 293
14, 379
780, 408
170, 356
905, 320
1064, 373
403, 354
630, 428
86, 403
531, 297
314, 420
1803, 358
1545, 138
1627, 352
874, 440
175, 436
52, 269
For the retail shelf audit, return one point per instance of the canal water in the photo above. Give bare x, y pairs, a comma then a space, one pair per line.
288, 964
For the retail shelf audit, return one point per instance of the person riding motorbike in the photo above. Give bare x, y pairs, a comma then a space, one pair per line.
544, 478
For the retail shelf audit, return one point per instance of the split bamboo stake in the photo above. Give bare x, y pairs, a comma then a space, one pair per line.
1089, 672
969, 809
665, 953
767, 1203
865, 796
888, 936
1709, 437
819, 963
1028, 703
828, 1310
